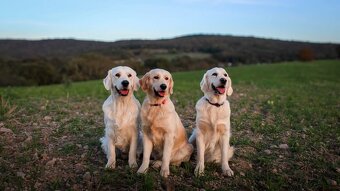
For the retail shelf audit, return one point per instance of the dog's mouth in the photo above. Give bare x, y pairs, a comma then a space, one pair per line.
122, 92
219, 89
160, 93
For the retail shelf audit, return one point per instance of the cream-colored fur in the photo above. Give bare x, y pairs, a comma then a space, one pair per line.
163, 133
212, 132
121, 115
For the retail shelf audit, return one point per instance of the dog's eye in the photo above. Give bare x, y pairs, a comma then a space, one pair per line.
226, 75
118, 75
129, 75
156, 77
214, 74
166, 78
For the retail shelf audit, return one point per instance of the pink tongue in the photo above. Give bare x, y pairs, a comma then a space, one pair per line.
221, 90
124, 92
161, 93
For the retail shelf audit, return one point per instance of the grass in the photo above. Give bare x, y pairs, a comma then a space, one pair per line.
54, 144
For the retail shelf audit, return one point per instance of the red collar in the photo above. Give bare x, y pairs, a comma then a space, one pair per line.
158, 104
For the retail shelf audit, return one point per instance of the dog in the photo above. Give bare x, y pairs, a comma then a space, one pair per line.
212, 131
121, 115
163, 133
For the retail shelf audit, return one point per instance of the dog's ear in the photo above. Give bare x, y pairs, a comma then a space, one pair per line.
205, 83
229, 89
171, 86
108, 81
145, 82
136, 83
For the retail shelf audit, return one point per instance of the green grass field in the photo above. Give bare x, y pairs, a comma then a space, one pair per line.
52, 143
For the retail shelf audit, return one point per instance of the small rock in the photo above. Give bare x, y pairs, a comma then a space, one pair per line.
87, 176
47, 118
332, 182
51, 162
274, 170
303, 136
83, 155
273, 146
267, 151
5, 130
29, 138
242, 174
21, 174
64, 137
37, 185
2, 124
79, 167
283, 146
86, 147
78, 145
35, 124
338, 170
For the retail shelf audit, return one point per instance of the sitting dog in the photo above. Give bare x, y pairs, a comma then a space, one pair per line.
163, 133
121, 115
212, 132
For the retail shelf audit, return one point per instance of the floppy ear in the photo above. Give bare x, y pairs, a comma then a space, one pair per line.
204, 83
144, 82
171, 86
108, 81
230, 89
135, 83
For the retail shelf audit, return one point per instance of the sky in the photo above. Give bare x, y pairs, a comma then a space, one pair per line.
111, 20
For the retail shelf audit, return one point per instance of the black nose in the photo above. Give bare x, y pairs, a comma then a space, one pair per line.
163, 86
223, 80
125, 83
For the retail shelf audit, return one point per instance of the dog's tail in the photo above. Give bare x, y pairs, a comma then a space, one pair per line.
192, 139
230, 152
104, 141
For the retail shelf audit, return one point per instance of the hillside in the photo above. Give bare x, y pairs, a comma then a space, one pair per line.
25, 62
49, 135
232, 45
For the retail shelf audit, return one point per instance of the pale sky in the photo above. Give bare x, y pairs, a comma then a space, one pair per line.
109, 20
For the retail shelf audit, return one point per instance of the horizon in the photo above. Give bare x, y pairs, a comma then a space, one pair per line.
108, 21
169, 38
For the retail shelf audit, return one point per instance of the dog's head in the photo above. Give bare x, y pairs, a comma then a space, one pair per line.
121, 80
157, 82
217, 81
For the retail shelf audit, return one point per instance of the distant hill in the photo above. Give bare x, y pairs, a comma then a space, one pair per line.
28, 62
232, 45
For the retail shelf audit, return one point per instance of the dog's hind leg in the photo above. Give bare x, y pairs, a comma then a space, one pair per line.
182, 155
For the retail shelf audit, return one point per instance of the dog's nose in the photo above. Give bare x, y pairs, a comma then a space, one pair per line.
223, 80
125, 83
163, 86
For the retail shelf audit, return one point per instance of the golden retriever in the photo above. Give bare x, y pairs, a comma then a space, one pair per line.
163, 133
212, 132
121, 115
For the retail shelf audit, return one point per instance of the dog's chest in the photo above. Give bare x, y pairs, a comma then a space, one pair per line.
215, 115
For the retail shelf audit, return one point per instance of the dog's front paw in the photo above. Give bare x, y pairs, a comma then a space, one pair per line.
142, 169
110, 164
199, 170
227, 171
157, 164
133, 164
165, 172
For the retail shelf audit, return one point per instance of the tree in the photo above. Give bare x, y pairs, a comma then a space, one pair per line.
306, 54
